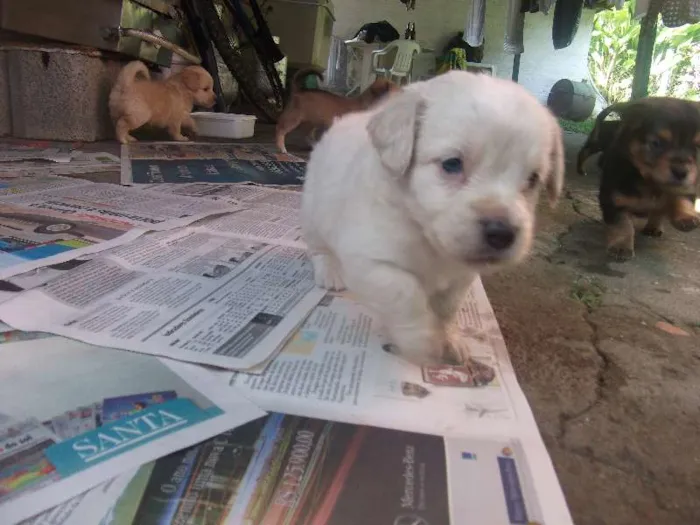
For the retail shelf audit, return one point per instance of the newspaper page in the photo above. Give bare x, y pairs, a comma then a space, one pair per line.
46, 220
185, 294
339, 366
267, 214
183, 162
14, 151
90, 507
74, 415
290, 470
80, 162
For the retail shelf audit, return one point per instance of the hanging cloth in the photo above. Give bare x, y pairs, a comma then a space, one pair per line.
640, 8
529, 6
677, 13
474, 24
515, 29
567, 15
545, 6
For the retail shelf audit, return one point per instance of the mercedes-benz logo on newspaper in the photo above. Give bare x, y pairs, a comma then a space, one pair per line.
410, 519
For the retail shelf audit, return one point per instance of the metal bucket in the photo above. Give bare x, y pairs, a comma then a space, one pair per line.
571, 100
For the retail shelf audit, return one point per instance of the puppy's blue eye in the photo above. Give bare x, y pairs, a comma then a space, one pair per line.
452, 165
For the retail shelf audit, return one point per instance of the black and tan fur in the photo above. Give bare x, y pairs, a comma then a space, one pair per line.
649, 169
602, 135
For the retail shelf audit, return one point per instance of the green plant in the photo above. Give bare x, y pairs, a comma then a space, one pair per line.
584, 127
588, 291
675, 69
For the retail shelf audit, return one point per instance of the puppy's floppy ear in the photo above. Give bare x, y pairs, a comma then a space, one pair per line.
555, 177
394, 128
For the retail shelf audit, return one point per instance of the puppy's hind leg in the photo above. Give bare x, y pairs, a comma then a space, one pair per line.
582, 158
122, 128
287, 122
400, 301
654, 225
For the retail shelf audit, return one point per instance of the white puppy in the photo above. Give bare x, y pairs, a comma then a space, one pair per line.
406, 203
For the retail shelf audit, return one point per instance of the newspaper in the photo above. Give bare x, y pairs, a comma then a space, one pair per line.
46, 220
188, 294
79, 163
14, 151
169, 162
90, 507
267, 214
290, 470
73, 416
339, 366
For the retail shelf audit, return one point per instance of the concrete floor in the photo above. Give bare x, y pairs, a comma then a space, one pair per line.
617, 398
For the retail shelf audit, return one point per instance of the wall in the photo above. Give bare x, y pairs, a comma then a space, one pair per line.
438, 20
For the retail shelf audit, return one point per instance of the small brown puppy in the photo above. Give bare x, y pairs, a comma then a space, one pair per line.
319, 108
136, 100
649, 170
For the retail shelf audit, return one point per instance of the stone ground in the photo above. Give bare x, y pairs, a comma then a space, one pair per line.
616, 397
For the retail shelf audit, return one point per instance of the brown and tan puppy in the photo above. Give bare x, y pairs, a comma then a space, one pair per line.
319, 108
137, 100
649, 170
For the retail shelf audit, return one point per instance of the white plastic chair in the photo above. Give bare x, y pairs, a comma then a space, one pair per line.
400, 70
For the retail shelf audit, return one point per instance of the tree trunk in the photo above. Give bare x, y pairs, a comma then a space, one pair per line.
645, 50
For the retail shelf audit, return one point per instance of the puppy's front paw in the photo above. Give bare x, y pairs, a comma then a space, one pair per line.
327, 273
652, 231
422, 348
620, 253
686, 223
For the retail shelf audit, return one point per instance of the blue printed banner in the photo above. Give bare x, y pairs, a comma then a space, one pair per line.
114, 438
515, 502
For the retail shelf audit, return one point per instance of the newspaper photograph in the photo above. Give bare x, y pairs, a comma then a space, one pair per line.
20, 150
74, 415
183, 162
185, 294
267, 214
80, 162
289, 470
90, 507
46, 220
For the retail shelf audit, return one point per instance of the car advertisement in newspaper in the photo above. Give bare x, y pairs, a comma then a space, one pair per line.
289, 470
73, 416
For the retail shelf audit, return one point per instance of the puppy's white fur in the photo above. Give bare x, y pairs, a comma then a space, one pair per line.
383, 217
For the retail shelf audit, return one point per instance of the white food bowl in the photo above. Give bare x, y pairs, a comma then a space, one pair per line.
224, 125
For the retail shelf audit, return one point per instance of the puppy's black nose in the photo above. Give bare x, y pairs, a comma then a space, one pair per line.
679, 173
498, 234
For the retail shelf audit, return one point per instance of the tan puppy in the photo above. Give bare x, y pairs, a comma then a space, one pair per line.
167, 103
319, 108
